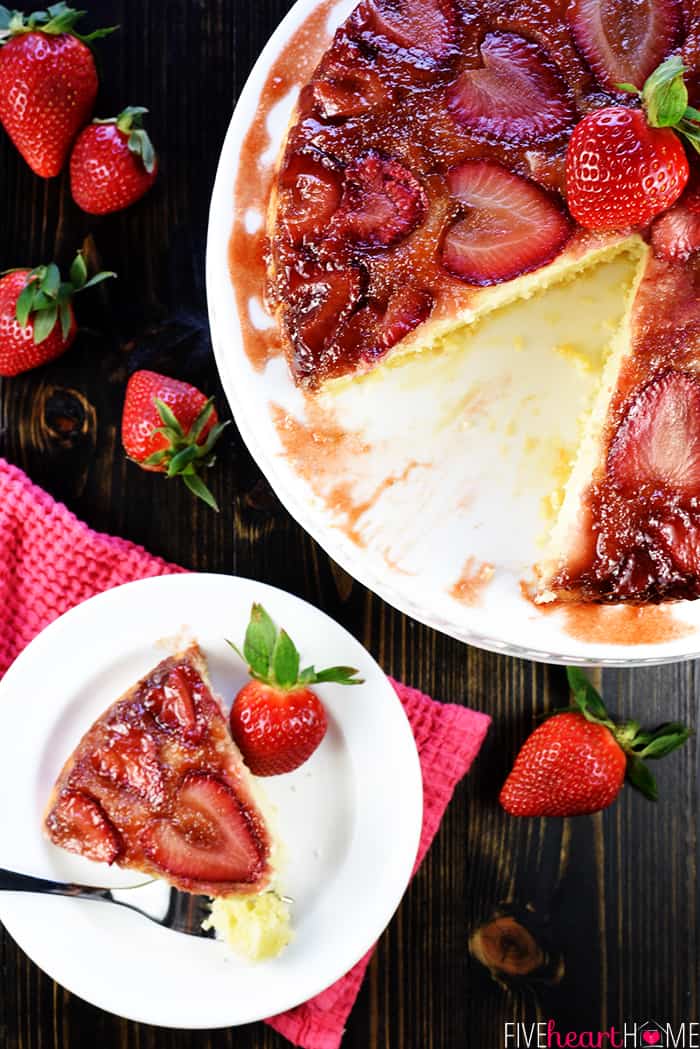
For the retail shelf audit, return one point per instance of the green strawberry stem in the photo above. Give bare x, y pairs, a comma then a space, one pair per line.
46, 297
184, 456
272, 658
56, 20
130, 122
639, 746
665, 99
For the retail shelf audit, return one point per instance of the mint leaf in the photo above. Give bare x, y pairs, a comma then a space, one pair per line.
665, 94
259, 642
285, 661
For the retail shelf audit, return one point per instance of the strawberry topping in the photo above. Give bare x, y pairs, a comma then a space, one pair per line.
318, 308
427, 30
130, 759
624, 40
510, 225
658, 440
347, 84
407, 308
172, 703
79, 824
210, 838
675, 235
382, 202
518, 95
311, 186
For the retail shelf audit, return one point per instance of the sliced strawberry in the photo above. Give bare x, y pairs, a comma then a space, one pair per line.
209, 838
129, 758
382, 202
427, 29
311, 185
172, 703
680, 538
624, 41
407, 308
347, 84
79, 824
510, 227
675, 235
517, 96
658, 440
317, 309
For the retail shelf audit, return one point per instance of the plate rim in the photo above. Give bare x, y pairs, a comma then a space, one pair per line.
413, 792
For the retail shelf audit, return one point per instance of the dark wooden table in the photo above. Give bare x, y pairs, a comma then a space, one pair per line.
614, 896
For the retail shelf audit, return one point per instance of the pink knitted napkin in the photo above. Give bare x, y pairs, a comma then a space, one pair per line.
50, 561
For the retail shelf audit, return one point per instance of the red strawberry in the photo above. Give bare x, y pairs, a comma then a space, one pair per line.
624, 40
576, 763
626, 166
210, 838
277, 720
129, 758
79, 824
675, 235
510, 225
658, 439
679, 536
518, 95
382, 201
113, 163
311, 186
428, 30
407, 307
48, 83
170, 427
37, 322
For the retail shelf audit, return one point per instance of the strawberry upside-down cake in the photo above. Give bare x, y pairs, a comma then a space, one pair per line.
449, 157
157, 785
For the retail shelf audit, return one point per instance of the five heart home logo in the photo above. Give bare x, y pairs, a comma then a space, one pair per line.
652, 1034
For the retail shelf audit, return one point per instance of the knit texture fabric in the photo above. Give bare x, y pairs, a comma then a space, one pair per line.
51, 561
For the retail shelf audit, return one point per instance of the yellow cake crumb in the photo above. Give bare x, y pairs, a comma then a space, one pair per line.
570, 352
258, 927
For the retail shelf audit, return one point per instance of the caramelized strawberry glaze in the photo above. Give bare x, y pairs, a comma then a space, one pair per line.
157, 785
408, 90
641, 538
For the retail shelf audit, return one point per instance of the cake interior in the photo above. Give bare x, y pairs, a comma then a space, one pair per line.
627, 256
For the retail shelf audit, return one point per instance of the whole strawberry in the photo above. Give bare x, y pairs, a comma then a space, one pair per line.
37, 321
113, 163
576, 762
277, 720
625, 166
48, 83
170, 427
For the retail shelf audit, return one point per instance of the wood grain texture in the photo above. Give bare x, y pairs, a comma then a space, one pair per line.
616, 895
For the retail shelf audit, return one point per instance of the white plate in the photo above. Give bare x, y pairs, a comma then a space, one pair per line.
350, 818
452, 457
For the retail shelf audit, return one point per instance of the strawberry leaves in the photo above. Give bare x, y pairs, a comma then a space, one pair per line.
273, 658
130, 123
46, 298
57, 19
184, 456
665, 99
639, 746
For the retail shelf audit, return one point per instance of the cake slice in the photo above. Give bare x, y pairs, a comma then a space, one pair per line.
157, 785
629, 525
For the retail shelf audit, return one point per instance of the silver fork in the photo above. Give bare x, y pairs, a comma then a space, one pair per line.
179, 911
